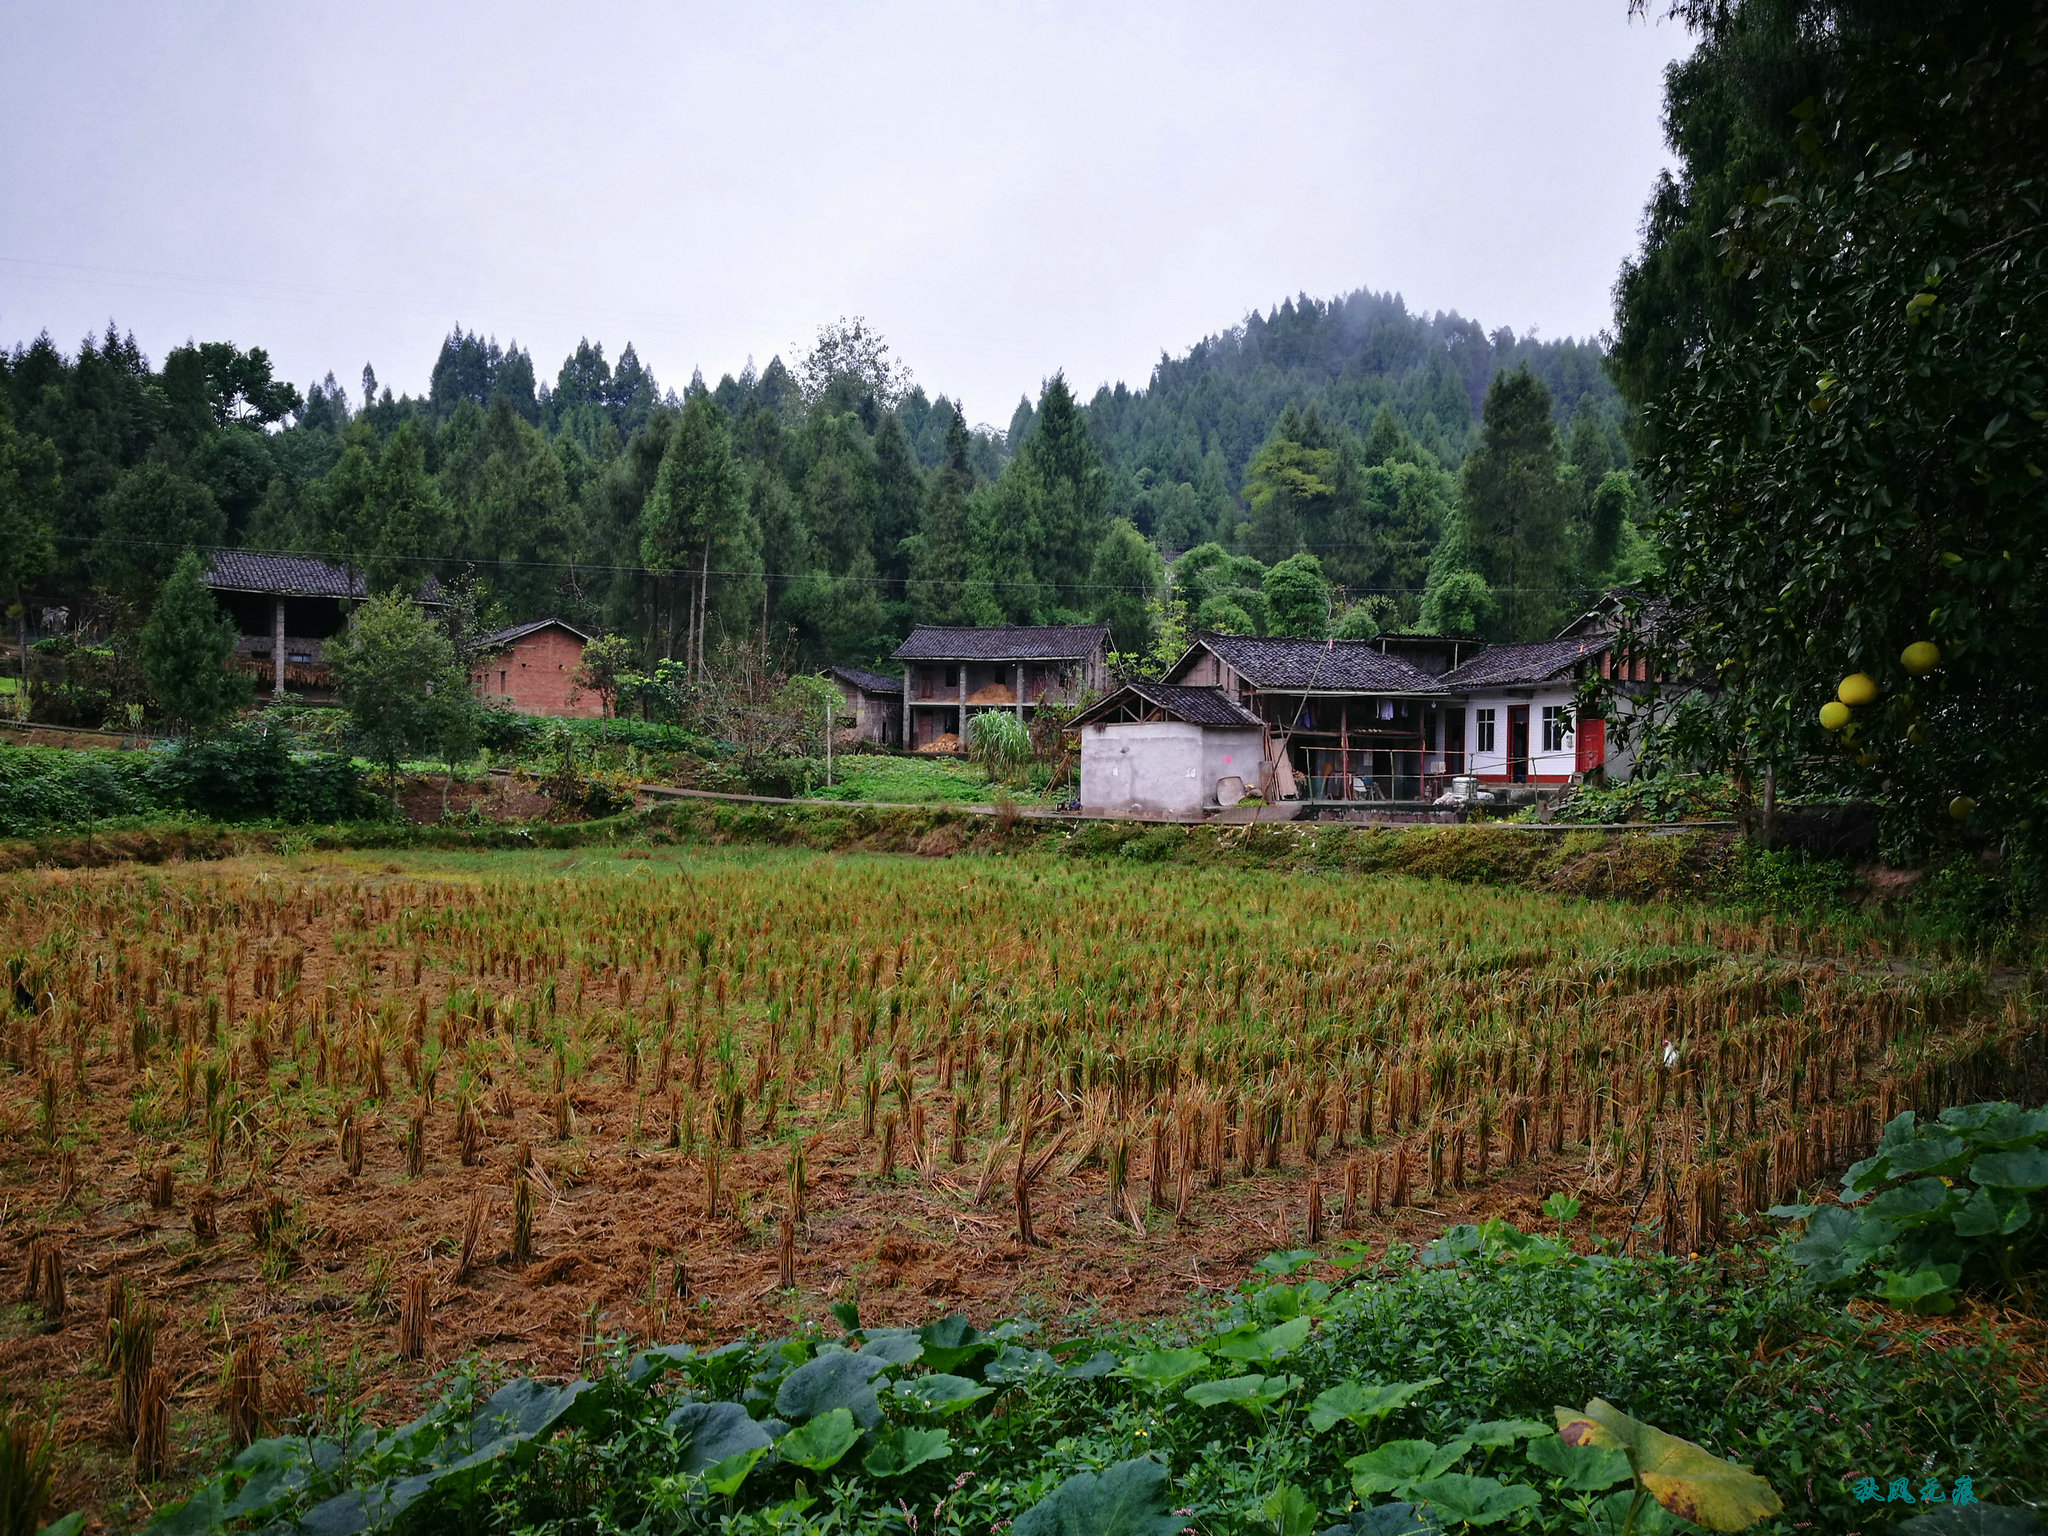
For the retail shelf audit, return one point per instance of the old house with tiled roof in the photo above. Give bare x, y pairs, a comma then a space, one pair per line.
951, 674
287, 607
874, 700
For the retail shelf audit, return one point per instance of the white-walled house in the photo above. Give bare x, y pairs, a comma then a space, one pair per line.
1350, 722
1520, 704
1157, 749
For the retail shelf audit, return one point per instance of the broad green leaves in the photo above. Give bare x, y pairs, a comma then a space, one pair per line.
1257, 1348
941, 1394
715, 1432
1399, 1465
829, 1382
1163, 1369
897, 1451
1253, 1393
1473, 1501
1363, 1403
819, 1444
1128, 1499
1688, 1481
1581, 1468
1935, 1200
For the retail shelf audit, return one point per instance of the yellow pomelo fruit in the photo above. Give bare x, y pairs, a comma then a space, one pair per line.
1834, 715
1857, 688
1961, 806
1921, 657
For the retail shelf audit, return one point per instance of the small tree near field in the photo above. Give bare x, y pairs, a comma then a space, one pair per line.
185, 648
396, 674
606, 660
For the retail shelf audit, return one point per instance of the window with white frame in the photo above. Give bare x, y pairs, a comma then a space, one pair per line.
1482, 730
1557, 727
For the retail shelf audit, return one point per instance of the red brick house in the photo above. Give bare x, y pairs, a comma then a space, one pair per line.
531, 668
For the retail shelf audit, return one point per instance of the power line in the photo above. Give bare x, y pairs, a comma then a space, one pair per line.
596, 567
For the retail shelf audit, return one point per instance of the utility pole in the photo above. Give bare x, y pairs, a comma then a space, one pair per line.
828, 743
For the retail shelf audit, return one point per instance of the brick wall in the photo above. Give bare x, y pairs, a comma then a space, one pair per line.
536, 675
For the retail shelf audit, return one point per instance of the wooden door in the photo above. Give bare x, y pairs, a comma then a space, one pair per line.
1518, 743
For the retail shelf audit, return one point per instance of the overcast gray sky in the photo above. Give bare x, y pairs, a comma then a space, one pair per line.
1001, 190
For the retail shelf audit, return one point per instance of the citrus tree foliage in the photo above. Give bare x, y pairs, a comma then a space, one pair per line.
396, 674
1846, 405
186, 646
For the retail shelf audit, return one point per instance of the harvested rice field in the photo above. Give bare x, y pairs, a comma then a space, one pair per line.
299, 1133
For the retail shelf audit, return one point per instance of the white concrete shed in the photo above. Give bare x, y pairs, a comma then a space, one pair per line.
1163, 749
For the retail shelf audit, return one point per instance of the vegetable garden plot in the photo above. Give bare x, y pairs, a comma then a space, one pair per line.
268, 1115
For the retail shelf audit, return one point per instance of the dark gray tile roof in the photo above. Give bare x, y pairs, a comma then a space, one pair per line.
243, 570
1197, 706
1004, 642
505, 637
247, 570
868, 682
1342, 665
1541, 661
1193, 706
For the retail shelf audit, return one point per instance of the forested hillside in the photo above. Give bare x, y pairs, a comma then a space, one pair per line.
1342, 464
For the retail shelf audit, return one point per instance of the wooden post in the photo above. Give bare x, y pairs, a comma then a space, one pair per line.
963, 704
277, 648
1344, 744
1020, 693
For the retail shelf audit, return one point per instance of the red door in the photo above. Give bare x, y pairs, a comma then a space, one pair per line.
1592, 740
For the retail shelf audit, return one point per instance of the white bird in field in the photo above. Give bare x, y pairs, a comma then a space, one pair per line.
1670, 1054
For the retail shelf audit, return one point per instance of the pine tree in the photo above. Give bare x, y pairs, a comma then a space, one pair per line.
1516, 507
940, 563
899, 499
1068, 490
1125, 581
699, 503
185, 648
29, 497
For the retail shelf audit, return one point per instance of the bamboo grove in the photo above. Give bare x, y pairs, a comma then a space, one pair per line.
997, 1033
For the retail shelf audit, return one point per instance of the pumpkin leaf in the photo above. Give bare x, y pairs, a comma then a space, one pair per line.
1399, 1464
1289, 1511
897, 1451
1474, 1500
1686, 1479
1581, 1468
1363, 1402
1498, 1432
1128, 1499
1254, 1393
897, 1346
714, 1432
2012, 1170
1161, 1369
1399, 1519
821, 1442
942, 1394
951, 1342
723, 1478
833, 1381
1275, 1342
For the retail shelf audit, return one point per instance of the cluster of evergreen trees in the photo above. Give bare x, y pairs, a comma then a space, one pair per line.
1342, 464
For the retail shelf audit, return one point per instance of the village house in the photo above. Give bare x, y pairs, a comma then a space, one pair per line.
1162, 749
1348, 722
875, 700
952, 674
286, 608
531, 669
